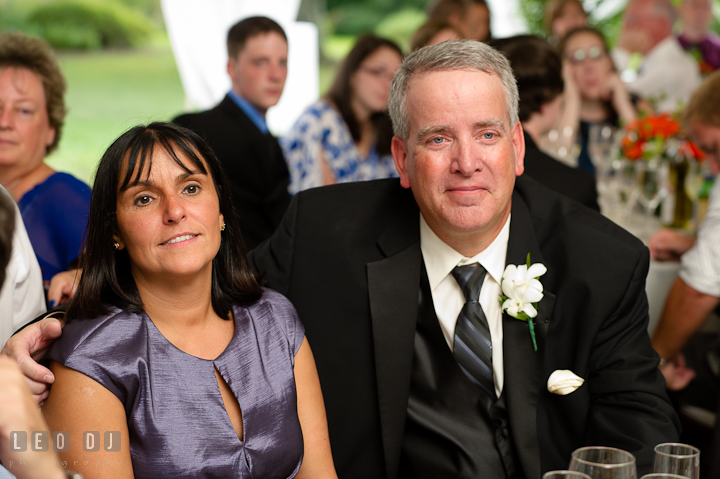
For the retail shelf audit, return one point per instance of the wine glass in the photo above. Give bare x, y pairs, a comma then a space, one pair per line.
622, 192
562, 145
662, 475
653, 188
602, 145
604, 463
679, 459
627, 185
565, 475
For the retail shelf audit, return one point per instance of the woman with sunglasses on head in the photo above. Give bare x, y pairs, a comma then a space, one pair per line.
594, 92
346, 135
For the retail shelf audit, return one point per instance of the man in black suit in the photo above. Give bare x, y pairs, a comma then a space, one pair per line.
236, 128
374, 270
538, 70
363, 264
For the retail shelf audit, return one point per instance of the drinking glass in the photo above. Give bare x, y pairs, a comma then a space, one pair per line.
565, 475
653, 188
621, 191
604, 463
562, 145
679, 459
627, 185
662, 475
602, 146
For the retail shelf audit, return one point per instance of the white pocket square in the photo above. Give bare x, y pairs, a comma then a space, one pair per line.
564, 381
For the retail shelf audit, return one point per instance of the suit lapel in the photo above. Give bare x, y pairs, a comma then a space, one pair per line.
393, 288
523, 367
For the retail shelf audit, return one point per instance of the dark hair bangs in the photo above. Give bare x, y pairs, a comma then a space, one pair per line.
141, 153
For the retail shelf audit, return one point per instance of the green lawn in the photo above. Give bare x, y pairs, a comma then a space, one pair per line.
109, 92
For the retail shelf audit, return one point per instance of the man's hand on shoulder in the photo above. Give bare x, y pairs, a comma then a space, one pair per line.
27, 347
669, 245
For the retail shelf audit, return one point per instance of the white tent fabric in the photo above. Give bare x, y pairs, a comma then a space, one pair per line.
506, 19
197, 33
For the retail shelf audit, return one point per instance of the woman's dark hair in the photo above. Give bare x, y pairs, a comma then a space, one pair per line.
537, 68
554, 9
7, 228
429, 29
340, 92
484, 3
106, 278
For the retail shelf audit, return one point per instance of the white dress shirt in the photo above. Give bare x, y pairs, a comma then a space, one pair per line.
440, 259
665, 70
700, 265
22, 297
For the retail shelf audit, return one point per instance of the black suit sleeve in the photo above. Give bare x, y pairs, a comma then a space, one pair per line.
591, 198
273, 259
629, 406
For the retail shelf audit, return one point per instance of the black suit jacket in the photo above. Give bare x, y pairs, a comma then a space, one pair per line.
571, 182
348, 257
253, 162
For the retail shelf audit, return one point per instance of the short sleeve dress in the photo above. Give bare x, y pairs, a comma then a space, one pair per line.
178, 424
320, 130
55, 214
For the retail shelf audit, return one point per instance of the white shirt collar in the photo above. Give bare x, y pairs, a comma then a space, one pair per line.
441, 259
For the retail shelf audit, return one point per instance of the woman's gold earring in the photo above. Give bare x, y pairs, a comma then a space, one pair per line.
222, 228
117, 245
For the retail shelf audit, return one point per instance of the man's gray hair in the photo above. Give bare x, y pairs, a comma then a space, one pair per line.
468, 55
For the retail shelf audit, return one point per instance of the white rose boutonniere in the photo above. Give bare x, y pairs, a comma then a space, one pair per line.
522, 291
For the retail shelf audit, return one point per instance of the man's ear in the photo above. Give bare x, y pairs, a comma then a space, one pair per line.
50, 137
231, 68
518, 140
400, 155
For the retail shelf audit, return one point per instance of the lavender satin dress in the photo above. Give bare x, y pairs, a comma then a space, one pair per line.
177, 421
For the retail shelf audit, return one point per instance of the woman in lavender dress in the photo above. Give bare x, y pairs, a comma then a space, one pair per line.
346, 135
173, 353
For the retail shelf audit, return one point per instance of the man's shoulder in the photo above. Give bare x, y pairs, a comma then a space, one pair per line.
539, 165
355, 211
225, 113
561, 220
226, 128
360, 195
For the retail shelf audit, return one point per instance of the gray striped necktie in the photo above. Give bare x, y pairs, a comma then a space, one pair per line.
473, 347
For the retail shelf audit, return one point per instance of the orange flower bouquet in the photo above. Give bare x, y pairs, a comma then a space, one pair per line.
670, 159
657, 136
